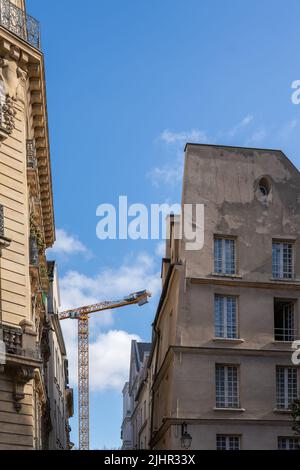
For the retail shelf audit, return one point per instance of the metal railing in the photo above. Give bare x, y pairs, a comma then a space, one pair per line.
286, 334
20, 23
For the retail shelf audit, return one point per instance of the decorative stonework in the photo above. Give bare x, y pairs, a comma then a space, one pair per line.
7, 115
12, 337
20, 376
4, 242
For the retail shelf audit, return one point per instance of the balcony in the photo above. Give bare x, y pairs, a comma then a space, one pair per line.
20, 23
286, 334
13, 339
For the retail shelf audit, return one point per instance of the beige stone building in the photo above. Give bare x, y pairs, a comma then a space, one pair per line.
60, 395
136, 408
26, 230
220, 373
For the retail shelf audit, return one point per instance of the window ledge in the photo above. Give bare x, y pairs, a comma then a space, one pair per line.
230, 276
229, 340
284, 279
288, 343
282, 411
238, 410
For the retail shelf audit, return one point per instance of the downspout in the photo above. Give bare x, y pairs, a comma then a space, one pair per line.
4, 243
157, 333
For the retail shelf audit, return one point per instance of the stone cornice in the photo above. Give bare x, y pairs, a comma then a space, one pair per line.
239, 282
31, 61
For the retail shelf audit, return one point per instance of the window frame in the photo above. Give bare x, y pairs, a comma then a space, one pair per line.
227, 438
289, 334
289, 438
224, 314
223, 272
285, 399
226, 401
281, 276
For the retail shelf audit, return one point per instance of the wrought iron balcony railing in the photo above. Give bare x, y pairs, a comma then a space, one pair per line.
20, 23
286, 334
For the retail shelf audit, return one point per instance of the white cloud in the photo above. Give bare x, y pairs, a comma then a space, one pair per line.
286, 130
241, 125
194, 135
109, 357
67, 244
168, 174
135, 274
256, 138
109, 351
160, 249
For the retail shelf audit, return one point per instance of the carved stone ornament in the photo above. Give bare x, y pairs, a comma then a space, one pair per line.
8, 114
20, 376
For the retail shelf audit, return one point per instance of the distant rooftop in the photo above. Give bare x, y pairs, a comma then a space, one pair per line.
18, 22
143, 349
262, 149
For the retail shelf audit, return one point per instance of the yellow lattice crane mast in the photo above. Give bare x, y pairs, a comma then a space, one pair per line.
82, 316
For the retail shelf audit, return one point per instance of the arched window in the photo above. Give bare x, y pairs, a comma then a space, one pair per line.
264, 187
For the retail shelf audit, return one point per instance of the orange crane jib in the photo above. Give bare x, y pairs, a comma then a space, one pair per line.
82, 316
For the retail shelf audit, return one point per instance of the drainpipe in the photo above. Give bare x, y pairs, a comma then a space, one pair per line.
157, 333
4, 243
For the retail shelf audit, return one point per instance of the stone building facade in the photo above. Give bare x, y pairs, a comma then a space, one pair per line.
26, 230
136, 413
60, 395
220, 373
222, 367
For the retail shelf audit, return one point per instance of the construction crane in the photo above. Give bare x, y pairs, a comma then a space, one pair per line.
82, 316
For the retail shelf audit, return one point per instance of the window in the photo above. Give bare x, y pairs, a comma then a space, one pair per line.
264, 187
228, 442
226, 316
282, 259
287, 386
225, 256
288, 443
284, 320
227, 386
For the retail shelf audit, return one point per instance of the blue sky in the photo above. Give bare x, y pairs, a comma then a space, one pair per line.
129, 81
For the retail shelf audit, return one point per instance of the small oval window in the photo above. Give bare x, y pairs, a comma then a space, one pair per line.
264, 187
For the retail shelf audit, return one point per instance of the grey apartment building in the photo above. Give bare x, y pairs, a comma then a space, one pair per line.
220, 372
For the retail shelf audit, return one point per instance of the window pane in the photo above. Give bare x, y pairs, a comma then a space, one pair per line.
228, 442
219, 316
282, 260
220, 386
227, 387
229, 256
288, 443
276, 259
287, 386
284, 320
225, 256
218, 256
231, 317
